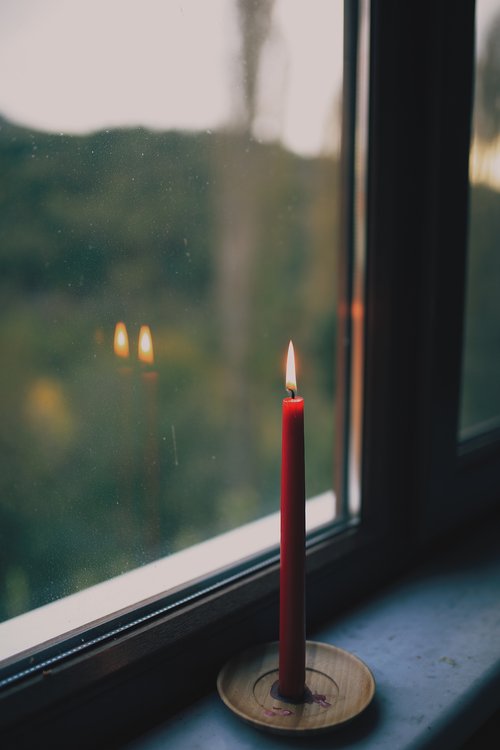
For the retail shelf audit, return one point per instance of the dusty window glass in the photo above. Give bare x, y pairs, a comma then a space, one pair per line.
480, 408
171, 167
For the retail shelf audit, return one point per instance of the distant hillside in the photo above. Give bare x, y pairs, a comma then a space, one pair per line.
71, 207
225, 247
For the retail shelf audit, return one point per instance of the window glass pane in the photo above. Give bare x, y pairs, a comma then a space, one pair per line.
357, 283
480, 408
172, 167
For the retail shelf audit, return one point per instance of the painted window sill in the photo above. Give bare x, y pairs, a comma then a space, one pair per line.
432, 642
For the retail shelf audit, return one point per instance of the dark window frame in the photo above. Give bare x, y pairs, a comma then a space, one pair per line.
418, 486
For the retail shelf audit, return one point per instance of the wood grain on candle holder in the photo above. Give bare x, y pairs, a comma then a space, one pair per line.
340, 686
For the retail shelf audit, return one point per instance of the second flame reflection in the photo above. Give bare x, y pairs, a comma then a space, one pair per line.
145, 347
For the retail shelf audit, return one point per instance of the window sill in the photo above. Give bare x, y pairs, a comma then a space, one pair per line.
433, 643
72, 613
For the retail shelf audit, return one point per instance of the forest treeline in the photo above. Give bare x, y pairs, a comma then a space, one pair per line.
226, 248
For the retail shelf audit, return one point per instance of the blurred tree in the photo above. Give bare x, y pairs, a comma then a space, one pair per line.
238, 181
255, 24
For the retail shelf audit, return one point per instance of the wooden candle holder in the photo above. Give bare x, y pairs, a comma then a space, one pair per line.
339, 686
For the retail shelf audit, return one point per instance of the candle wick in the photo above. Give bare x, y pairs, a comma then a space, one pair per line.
292, 392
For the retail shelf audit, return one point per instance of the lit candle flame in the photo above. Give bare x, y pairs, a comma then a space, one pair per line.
121, 341
291, 378
145, 349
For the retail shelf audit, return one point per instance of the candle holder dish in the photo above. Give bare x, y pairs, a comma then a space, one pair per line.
339, 686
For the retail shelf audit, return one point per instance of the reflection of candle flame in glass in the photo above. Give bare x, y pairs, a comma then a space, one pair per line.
121, 341
145, 350
291, 379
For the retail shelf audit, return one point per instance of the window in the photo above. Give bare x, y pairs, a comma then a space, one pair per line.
200, 211
417, 482
480, 406
187, 190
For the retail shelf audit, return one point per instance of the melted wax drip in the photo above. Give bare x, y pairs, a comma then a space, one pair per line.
319, 699
308, 697
275, 711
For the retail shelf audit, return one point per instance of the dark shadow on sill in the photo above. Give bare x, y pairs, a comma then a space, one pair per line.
487, 737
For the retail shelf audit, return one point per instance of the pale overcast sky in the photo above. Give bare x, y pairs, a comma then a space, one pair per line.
486, 10
80, 65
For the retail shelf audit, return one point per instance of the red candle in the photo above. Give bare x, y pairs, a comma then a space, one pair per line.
292, 551
125, 404
151, 487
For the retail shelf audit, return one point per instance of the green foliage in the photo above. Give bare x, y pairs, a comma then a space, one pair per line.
226, 248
